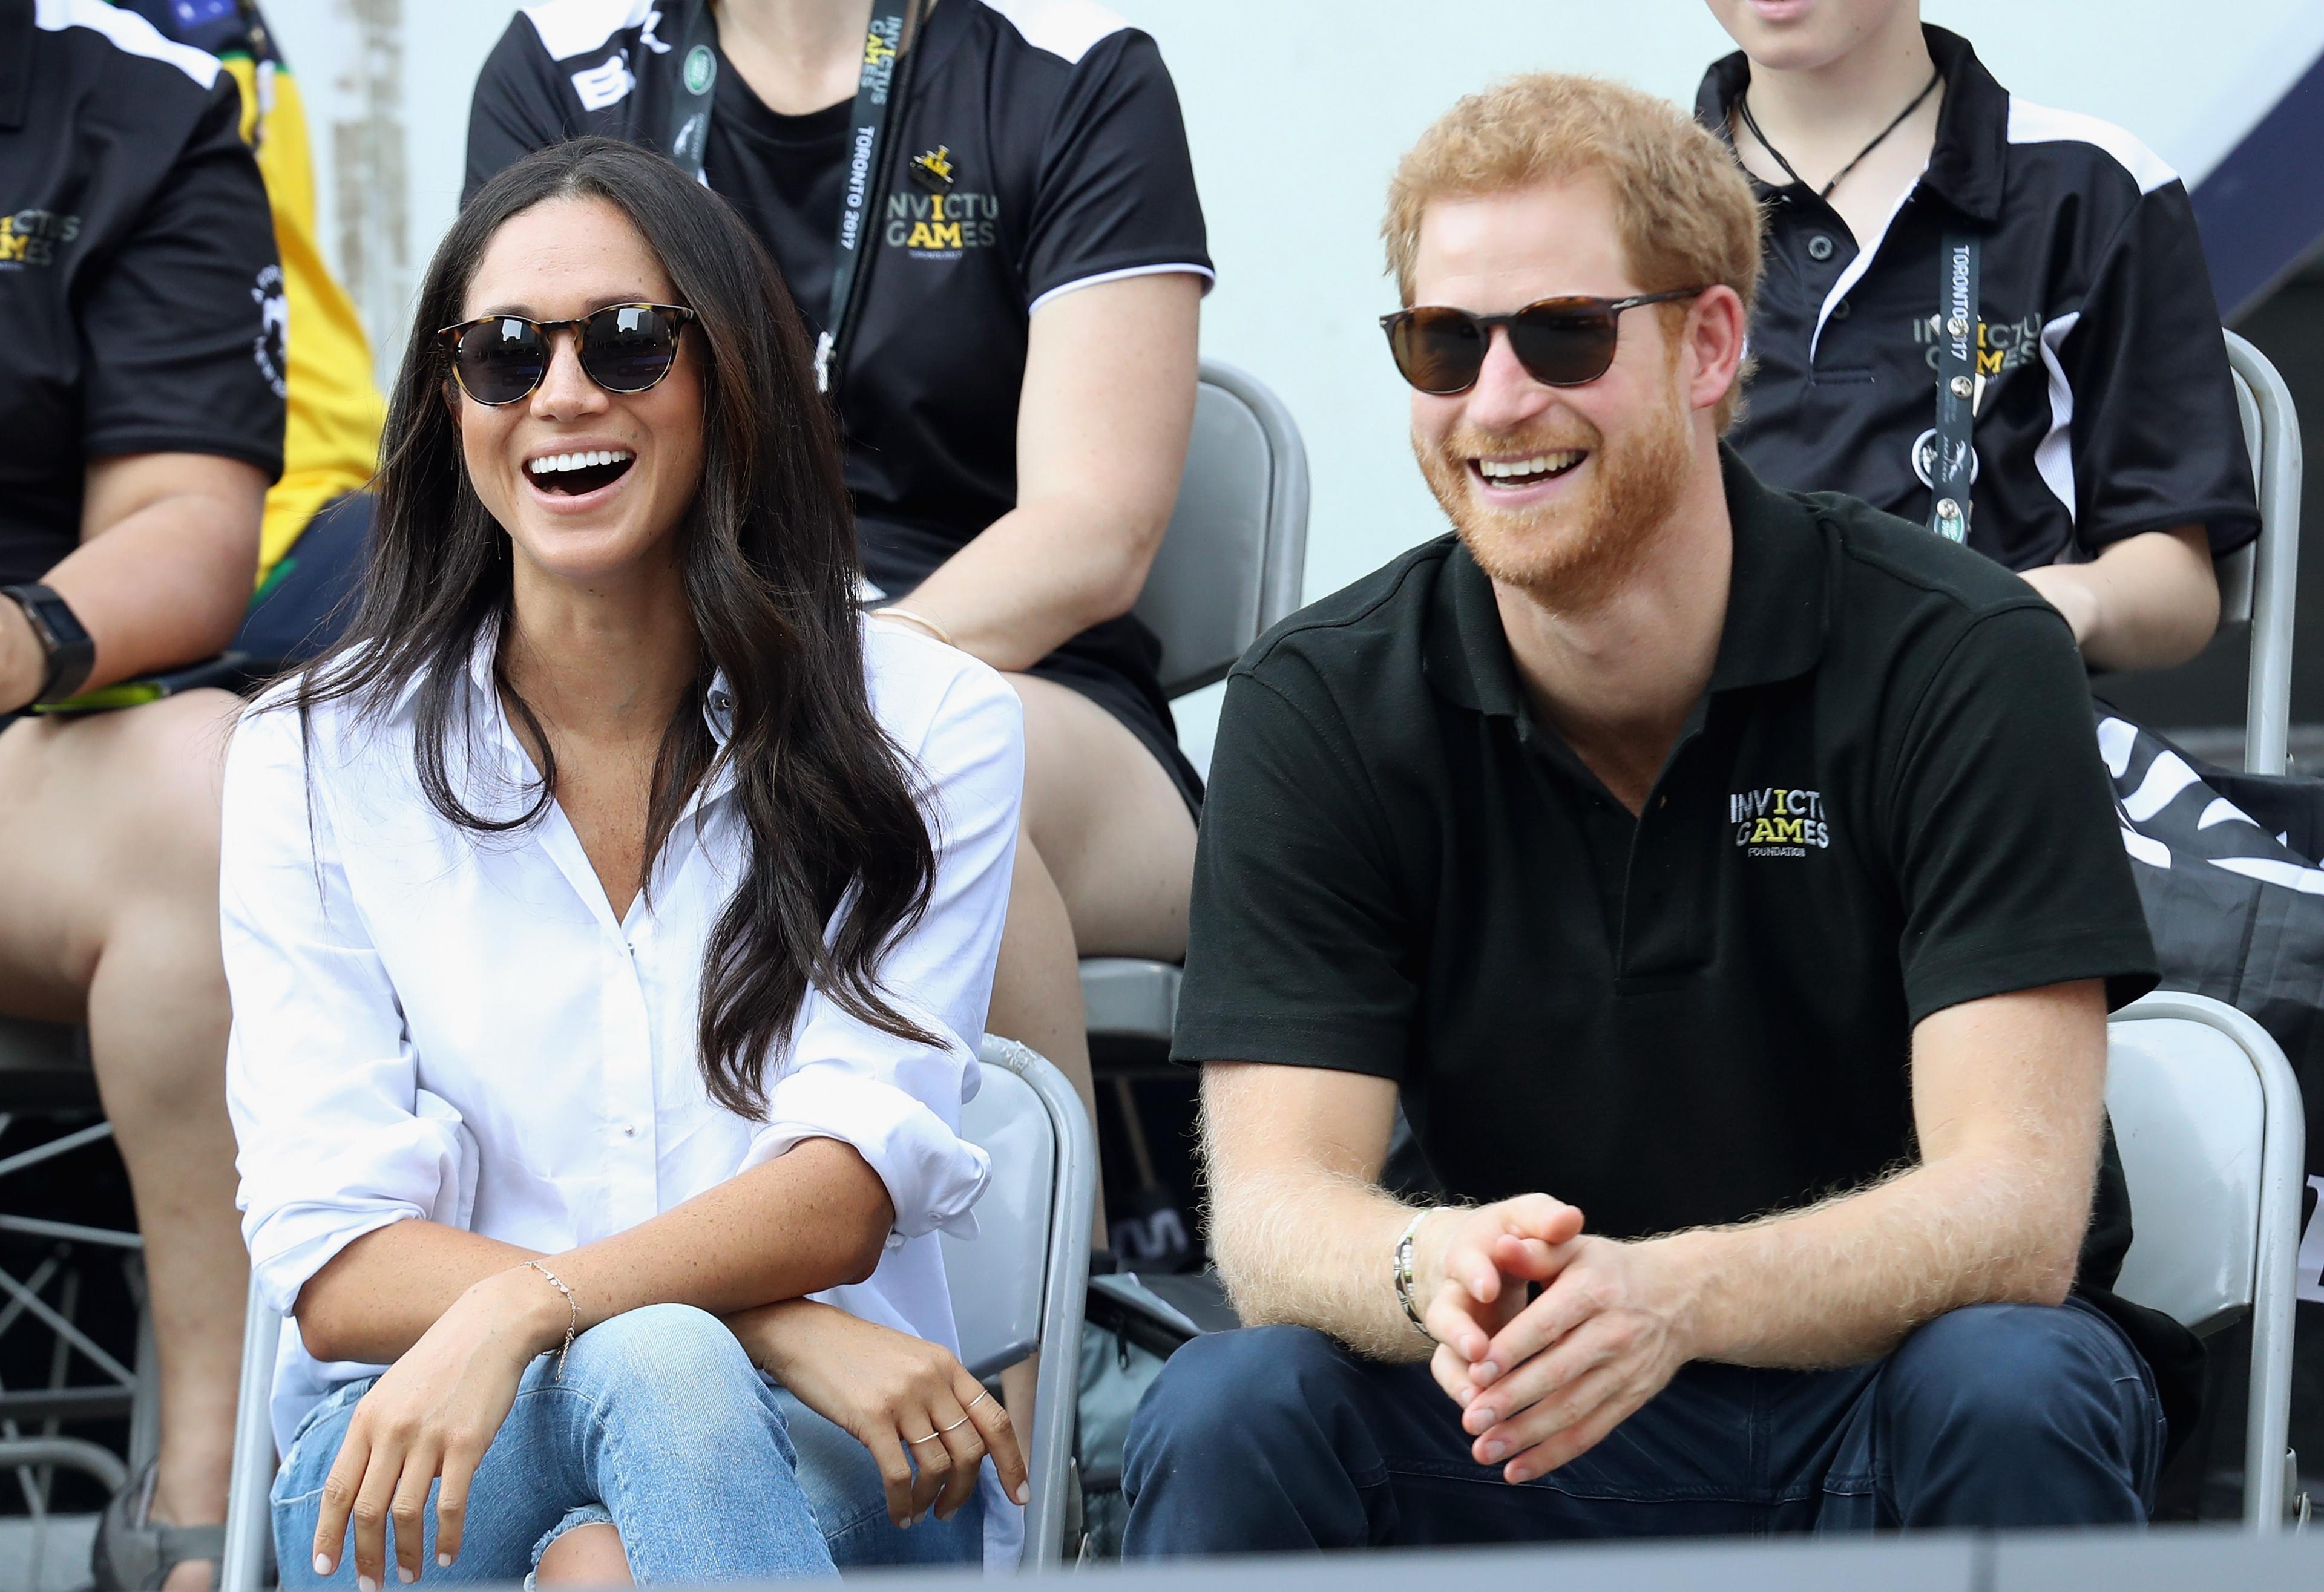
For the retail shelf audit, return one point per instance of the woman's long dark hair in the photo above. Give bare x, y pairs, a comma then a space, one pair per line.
771, 573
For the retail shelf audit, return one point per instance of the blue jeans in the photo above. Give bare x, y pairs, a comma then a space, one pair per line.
1276, 1438
663, 1428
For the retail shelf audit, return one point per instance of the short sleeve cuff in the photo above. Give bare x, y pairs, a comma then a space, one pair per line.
934, 1177
1290, 1041
2125, 961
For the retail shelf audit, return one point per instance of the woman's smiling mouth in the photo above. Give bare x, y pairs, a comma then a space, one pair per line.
580, 472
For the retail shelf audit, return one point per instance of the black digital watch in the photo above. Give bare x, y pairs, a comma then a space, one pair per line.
70, 652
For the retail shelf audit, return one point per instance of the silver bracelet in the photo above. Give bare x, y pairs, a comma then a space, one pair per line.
1403, 1272
572, 1304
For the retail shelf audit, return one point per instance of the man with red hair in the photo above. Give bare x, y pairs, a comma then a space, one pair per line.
1721, 878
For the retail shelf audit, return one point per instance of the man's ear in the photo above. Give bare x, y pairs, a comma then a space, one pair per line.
1717, 333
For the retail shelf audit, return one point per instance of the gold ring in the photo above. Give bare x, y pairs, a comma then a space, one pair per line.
916, 1441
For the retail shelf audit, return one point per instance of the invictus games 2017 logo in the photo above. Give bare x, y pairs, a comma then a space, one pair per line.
33, 238
943, 225
271, 349
1778, 822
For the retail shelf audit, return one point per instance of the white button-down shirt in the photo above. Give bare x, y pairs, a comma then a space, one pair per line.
435, 1022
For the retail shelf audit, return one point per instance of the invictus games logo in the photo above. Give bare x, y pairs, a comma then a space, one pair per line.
2001, 345
943, 225
1778, 822
271, 349
31, 237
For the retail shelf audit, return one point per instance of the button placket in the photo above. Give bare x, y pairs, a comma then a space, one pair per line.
633, 1064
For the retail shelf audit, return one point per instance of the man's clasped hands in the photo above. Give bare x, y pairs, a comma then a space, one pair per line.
1543, 1379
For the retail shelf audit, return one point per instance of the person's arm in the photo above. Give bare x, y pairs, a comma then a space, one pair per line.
2154, 474
169, 549
1107, 404
181, 419
1303, 1234
811, 1219
2006, 1100
2148, 602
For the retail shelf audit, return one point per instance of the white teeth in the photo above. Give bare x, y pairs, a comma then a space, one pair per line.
551, 463
1539, 464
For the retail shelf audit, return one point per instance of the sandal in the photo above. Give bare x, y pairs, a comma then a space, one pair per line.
134, 1553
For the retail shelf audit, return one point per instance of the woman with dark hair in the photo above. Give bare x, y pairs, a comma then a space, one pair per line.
610, 922
987, 210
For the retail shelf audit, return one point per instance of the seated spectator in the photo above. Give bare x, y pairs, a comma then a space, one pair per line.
610, 922
1664, 842
1013, 369
140, 424
2102, 459
317, 515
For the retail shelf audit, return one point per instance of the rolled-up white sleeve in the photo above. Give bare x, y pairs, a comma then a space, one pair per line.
896, 1102
333, 1139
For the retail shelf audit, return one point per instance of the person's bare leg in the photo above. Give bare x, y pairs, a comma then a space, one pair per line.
585, 1556
1096, 801
1112, 832
110, 843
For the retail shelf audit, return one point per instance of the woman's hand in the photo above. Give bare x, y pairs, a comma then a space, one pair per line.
887, 1389
434, 1413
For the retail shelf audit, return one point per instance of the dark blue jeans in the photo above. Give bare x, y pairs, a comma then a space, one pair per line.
1275, 1437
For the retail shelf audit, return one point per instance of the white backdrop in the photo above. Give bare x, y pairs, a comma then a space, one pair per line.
1297, 113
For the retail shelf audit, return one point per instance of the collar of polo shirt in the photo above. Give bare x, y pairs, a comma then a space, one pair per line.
1970, 164
1774, 629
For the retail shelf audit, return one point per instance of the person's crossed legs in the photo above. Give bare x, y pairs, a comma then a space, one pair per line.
108, 846
1276, 1438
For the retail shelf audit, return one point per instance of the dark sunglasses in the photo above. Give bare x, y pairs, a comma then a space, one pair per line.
623, 348
1560, 342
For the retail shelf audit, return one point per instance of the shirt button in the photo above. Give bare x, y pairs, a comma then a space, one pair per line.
1839, 310
1819, 248
629, 1130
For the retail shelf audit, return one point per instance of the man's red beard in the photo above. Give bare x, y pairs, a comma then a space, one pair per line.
1575, 553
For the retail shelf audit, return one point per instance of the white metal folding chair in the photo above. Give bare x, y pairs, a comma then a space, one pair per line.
2208, 1116
2259, 583
1231, 566
1020, 1285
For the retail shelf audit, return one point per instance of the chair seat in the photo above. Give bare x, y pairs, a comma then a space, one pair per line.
1128, 1006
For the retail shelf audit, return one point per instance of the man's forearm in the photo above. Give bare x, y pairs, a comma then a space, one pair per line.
1844, 1281
1313, 1248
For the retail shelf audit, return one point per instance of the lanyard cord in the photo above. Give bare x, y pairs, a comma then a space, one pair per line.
1743, 109
684, 76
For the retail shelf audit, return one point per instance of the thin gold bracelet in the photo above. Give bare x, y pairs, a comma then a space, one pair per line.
921, 619
571, 1303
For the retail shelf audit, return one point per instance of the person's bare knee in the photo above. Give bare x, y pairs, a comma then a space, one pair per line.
585, 1556
1112, 829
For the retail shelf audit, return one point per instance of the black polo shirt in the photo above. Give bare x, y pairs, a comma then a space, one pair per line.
1889, 802
2107, 410
138, 279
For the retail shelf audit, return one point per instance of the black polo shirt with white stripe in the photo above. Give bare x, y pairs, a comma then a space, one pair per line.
2105, 407
138, 279
1889, 802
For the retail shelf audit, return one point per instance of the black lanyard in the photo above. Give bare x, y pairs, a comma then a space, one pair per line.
1953, 463
682, 76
